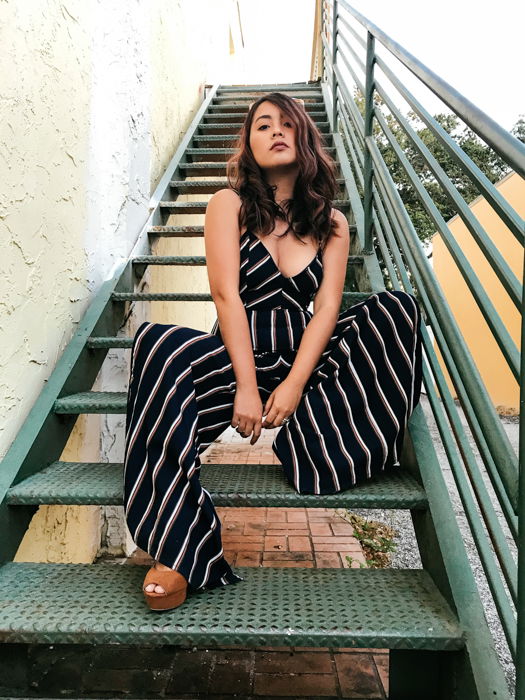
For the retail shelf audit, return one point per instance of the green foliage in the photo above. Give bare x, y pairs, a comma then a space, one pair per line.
488, 162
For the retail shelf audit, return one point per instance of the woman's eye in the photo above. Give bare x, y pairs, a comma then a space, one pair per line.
264, 125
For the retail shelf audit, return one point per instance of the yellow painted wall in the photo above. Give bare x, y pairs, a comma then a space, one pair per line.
500, 383
96, 98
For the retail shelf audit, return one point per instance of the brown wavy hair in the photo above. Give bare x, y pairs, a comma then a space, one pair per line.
309, 211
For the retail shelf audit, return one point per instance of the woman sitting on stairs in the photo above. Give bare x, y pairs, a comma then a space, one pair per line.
339, 385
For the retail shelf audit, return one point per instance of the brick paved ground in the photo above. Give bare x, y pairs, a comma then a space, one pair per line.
301, 537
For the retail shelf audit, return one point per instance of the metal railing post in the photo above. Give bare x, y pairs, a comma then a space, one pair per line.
520, 636
334, 77
369, 118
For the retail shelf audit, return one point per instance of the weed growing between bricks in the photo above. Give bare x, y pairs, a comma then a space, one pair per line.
376, 539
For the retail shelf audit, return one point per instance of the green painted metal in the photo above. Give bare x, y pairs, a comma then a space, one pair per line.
240, 485
497, 536
200, 207
408, 609
369, 120
509, 148
487, 308
451, 409
43, 435
498, 441
92, 402
398, 247
349, 298
103, 603
333, 58
486, 188
489, 676
520, 632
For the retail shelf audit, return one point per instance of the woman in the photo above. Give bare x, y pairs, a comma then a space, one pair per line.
341, 385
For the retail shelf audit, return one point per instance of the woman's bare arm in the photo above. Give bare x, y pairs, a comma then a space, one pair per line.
327, 303
221, 240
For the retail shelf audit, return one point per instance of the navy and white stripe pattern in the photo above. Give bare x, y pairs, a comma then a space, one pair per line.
348, 426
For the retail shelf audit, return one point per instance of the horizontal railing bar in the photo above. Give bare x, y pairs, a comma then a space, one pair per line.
500, 446
508, 565
507, 146
352, 138
351, 106
505, 275
351, 186
489, 312
510, 517
347, 63
486, 188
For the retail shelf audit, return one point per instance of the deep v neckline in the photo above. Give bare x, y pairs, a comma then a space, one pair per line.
275, 264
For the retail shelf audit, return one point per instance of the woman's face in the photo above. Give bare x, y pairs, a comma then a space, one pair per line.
270, 126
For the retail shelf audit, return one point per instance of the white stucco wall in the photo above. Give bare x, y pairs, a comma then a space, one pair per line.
95, 99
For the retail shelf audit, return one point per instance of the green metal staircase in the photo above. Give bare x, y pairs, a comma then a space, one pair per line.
432, 619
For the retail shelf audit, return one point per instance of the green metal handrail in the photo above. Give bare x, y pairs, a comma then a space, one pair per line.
383, 224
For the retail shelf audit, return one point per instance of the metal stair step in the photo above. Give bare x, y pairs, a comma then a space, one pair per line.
193, 231
348, 297
242, 107
211, 186
232, 97
92, 402
233, 138
212, 168
294, 88
231, 151
240, 116
103, 603
200, 260
321, 125
106, 342
253, 485
200, 207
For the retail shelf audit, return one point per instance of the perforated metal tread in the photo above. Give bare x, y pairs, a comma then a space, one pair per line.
103, 603
86, 483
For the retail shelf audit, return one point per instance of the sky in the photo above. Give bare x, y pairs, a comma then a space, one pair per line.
477, 47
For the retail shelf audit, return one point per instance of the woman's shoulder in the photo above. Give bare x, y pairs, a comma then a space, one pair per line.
226, 197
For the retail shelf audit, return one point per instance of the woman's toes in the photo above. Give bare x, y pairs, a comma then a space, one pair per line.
150, 587
159, 589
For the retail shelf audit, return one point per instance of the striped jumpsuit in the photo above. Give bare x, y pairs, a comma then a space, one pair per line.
348, 426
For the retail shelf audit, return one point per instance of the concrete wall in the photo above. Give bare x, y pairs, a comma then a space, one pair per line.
96, 97
499, 381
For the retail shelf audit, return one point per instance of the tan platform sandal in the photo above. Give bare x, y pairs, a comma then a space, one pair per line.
175, 588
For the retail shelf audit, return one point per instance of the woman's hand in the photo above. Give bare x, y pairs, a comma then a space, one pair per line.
281, 403
247, 413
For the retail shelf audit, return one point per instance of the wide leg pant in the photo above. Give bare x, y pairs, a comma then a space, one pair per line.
348, 426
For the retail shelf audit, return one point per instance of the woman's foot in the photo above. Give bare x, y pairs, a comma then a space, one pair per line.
151, 587
164, 588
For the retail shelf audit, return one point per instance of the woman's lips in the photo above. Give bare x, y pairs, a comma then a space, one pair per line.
279, 147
